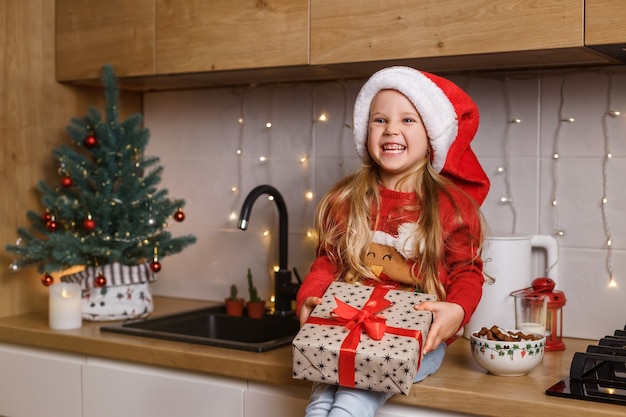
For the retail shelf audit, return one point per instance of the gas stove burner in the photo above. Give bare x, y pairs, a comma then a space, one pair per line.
599, 374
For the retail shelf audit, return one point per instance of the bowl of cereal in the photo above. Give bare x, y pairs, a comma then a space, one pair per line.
507, 352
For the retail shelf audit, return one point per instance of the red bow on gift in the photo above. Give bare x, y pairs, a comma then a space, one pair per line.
351, 317
355, 320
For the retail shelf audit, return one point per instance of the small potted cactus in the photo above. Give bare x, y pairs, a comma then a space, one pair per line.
255, 306
234, 304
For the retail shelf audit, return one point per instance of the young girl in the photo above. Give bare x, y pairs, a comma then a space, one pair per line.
409, 218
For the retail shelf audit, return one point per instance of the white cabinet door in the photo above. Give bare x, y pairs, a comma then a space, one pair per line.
36, 382
115, 389
399, 410
265, 400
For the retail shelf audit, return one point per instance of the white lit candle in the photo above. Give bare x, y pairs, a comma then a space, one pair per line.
65, 306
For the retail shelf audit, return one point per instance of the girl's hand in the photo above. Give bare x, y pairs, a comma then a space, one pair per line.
308, 306
447, 318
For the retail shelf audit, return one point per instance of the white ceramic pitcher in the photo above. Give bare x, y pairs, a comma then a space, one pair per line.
507, 268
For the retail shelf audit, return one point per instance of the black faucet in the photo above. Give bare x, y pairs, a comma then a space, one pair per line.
284, 290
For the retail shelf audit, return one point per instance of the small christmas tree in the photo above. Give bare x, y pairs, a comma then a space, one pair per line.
106, 207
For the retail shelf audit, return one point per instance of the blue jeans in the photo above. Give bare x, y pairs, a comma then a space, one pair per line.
335, 401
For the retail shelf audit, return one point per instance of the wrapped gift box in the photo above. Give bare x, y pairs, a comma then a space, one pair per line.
345, 341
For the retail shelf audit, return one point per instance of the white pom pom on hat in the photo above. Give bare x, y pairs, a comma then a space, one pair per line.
449, 115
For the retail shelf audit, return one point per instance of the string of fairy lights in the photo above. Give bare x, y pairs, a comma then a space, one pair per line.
319, 116
608, 113
556, 155
235, 188
508, 197
505, 170
323, 116
308, 169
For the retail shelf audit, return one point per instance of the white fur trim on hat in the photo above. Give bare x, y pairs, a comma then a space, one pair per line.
383, 238
434, 107
404, 243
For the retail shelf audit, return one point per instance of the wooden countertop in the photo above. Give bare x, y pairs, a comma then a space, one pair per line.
460, 385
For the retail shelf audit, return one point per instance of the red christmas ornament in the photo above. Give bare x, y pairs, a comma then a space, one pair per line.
52, 225
155, 266
47, 280
66, 181
89, 224
91, 141
179, 216
46, 217
100, 280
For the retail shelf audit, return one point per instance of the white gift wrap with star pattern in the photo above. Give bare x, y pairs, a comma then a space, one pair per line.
386, 365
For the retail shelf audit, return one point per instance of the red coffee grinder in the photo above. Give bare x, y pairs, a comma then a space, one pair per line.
554, 319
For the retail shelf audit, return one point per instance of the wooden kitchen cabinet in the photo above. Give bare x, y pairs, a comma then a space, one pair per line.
604, 22
164, 37
182, 44
91, 33
198, 35
36, 382
536, 32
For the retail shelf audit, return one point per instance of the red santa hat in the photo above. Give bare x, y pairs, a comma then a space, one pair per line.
449, 115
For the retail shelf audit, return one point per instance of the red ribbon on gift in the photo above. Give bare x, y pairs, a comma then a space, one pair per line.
357, 321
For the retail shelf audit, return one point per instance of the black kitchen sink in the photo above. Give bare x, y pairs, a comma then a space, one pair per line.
211, 326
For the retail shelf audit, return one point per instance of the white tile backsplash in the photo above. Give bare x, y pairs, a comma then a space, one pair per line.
196, 134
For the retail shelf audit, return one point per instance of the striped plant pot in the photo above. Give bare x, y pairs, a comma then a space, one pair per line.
125, 295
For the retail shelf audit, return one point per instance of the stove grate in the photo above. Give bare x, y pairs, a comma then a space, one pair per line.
599, 374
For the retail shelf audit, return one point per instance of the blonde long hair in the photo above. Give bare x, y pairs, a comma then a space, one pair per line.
344, 224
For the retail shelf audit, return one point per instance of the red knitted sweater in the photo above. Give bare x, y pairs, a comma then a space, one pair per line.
460, 271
